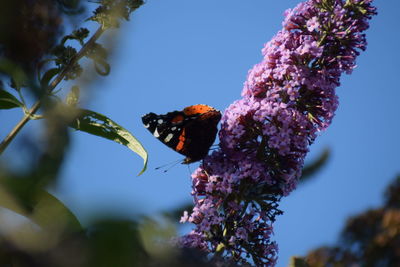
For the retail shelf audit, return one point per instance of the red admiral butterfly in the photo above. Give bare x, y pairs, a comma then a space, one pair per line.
190, 132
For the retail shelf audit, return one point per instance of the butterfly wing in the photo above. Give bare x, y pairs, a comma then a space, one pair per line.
167, 128
190, 132
199, 135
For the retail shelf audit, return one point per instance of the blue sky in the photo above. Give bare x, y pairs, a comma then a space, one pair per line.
175, 53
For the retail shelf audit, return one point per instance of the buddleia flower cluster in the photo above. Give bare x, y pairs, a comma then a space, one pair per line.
287, 99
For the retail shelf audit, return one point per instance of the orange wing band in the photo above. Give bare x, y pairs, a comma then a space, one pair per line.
196, 109
177, 119
181, 143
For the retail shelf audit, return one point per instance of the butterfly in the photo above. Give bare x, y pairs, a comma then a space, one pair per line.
189, 132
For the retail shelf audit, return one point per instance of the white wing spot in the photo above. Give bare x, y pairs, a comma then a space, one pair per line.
156, 134
160, 121
168, 138
173, 128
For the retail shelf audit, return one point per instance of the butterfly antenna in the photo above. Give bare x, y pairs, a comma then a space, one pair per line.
173, 165
170, 164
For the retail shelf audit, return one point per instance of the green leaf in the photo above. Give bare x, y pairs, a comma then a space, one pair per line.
155, 235
80, 35
41, 207
17, 75
8, 101
109, 13
46, 78
51, 214
100, 125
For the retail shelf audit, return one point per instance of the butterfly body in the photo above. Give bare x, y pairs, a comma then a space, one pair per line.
189, 132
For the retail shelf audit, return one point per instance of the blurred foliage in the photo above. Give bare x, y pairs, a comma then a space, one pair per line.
35, 57
29, 29
110, 12
105, 242
297, 262
371, 239
311, 169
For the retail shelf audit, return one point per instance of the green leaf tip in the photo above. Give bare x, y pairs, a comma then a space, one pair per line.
8, 101
98, 124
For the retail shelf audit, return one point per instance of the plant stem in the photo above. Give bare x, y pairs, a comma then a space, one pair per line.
27, 117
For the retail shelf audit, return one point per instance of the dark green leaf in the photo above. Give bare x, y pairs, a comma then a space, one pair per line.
312, 168
80, 35
116, 243
134, 4
46, 78
8, 101
64, 59
41, 207
50, 213
100, 125
18, 76
109, 13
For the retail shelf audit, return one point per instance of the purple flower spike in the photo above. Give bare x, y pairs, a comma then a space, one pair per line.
288, 98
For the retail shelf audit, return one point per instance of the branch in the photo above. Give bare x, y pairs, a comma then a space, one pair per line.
7, 140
